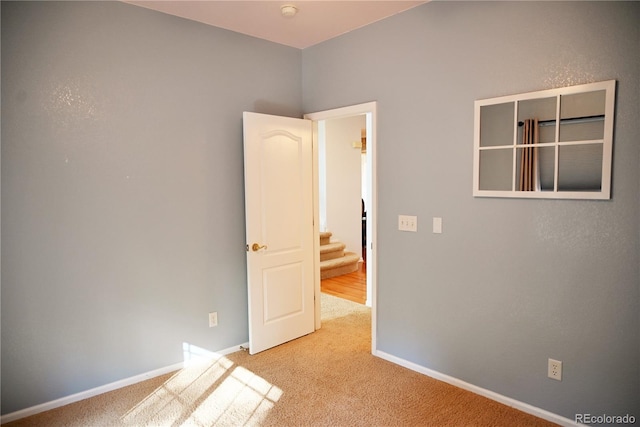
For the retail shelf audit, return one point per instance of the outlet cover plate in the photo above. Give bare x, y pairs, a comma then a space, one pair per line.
554, 369
213, 319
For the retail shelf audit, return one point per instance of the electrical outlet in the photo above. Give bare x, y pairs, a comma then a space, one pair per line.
213, 319
555, 369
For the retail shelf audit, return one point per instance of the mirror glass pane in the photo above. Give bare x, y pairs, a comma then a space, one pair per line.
582, 116
544, 109
496, 124
580, 167
542, 167
496, 169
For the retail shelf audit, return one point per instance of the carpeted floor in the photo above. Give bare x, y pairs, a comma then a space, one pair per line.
328, 378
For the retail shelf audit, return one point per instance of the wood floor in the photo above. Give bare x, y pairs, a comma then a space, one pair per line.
352, 286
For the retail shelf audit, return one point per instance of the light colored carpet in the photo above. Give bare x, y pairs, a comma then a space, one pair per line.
328, 378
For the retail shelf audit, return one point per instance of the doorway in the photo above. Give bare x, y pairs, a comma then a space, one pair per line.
368, 110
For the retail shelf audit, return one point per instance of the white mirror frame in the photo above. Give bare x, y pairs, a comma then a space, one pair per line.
607, 143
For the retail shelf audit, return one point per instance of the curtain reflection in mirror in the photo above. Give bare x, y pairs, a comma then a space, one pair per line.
529, 163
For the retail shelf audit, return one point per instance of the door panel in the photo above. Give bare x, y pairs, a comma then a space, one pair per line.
283, 297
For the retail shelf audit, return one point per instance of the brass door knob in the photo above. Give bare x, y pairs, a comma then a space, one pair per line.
256, 247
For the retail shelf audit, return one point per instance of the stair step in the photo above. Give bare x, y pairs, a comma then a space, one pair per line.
325, 237
332, 251
339, 266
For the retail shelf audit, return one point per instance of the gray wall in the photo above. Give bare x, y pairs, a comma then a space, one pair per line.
122, 189
509, 283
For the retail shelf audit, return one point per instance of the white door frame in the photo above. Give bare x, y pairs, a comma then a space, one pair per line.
369, 109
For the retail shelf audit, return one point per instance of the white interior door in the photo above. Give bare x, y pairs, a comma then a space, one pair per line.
278, 163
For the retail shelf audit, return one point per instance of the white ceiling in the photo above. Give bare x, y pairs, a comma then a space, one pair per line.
316, 21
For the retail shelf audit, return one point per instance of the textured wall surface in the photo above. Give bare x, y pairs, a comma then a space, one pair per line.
509, 283
122, 189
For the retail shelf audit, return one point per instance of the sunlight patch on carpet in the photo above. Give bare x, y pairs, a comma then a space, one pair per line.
209, 390
335, 308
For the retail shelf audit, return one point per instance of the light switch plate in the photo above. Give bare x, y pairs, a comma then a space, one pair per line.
437, 225
408, 223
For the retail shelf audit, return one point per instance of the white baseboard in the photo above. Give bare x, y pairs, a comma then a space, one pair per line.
524, 407
200, 355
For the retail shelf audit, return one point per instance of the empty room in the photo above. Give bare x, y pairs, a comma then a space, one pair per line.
128, 183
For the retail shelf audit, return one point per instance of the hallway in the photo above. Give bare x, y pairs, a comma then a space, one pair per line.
352, 286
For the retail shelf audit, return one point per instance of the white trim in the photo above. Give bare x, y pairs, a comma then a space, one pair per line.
370, 109
341, 112
47, 406
316, 222
524, 407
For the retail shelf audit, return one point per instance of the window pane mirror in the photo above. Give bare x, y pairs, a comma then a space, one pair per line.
554, 143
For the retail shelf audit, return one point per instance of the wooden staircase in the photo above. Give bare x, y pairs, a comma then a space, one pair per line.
334, 261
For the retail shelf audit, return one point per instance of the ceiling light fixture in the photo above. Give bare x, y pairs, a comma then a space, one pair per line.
288, 10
